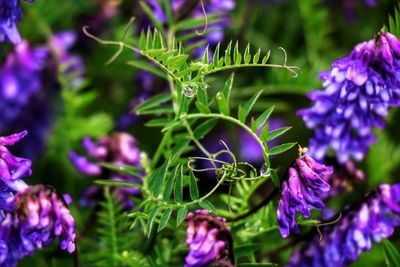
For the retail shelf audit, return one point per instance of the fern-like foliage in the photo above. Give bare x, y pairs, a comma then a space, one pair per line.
115, 239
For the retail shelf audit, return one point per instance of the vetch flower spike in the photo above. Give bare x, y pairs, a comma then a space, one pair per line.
301, 192
342, 243
209, 241
358, 92
40, 216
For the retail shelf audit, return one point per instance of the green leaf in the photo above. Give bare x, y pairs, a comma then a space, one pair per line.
202, 108
164, 219
277, 132
265, 58
156, 179
253, 125
227, 59
245, 110
117, 183
392, 255
247, 55
264, 117
150, 221
178, 190
228, 87
180, 215
205, 204
275, 178
152, 102
144, 65
281, 148
194, 191
204, 128
216, 55
237, 57
169, 185
264, 133
125, 169
223, 105
205, 56
157, 123
256, 57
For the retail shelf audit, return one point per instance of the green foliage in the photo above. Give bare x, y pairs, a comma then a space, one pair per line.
115, 239
392, 254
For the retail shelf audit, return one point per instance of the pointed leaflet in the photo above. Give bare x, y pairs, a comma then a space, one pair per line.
281, 148
178, 190
277, 132
265, 58
223, 106
247, 55
180, 215
194, 191
245, 110
228, 54
256, 57
156, 179
125, 169
264, 117
228, 87
169, 185
150, 221
205, 204
204, 128
237, 57
216, 55
154, 101
164, 219
275, 178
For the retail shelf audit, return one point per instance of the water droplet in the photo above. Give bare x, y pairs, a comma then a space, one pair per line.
264, 171
189, 90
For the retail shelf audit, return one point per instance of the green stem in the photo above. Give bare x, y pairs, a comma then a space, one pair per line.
230, 119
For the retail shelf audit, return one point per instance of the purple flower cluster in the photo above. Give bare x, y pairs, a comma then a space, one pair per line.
34, 216
301, 192
209, 240
12, 169
10, 15
120, 149
342, 243
26, 88
358, 92
40, 217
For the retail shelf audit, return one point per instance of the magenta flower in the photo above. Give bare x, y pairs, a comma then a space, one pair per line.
342, 243
12, 170
39, 218
209, 241
120, 149
302, 192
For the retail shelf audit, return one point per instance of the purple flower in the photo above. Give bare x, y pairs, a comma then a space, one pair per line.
39, 218
342, 243
301, 192
120, 149
12, 169
10, 15
209, 240
23, 103
358, 92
